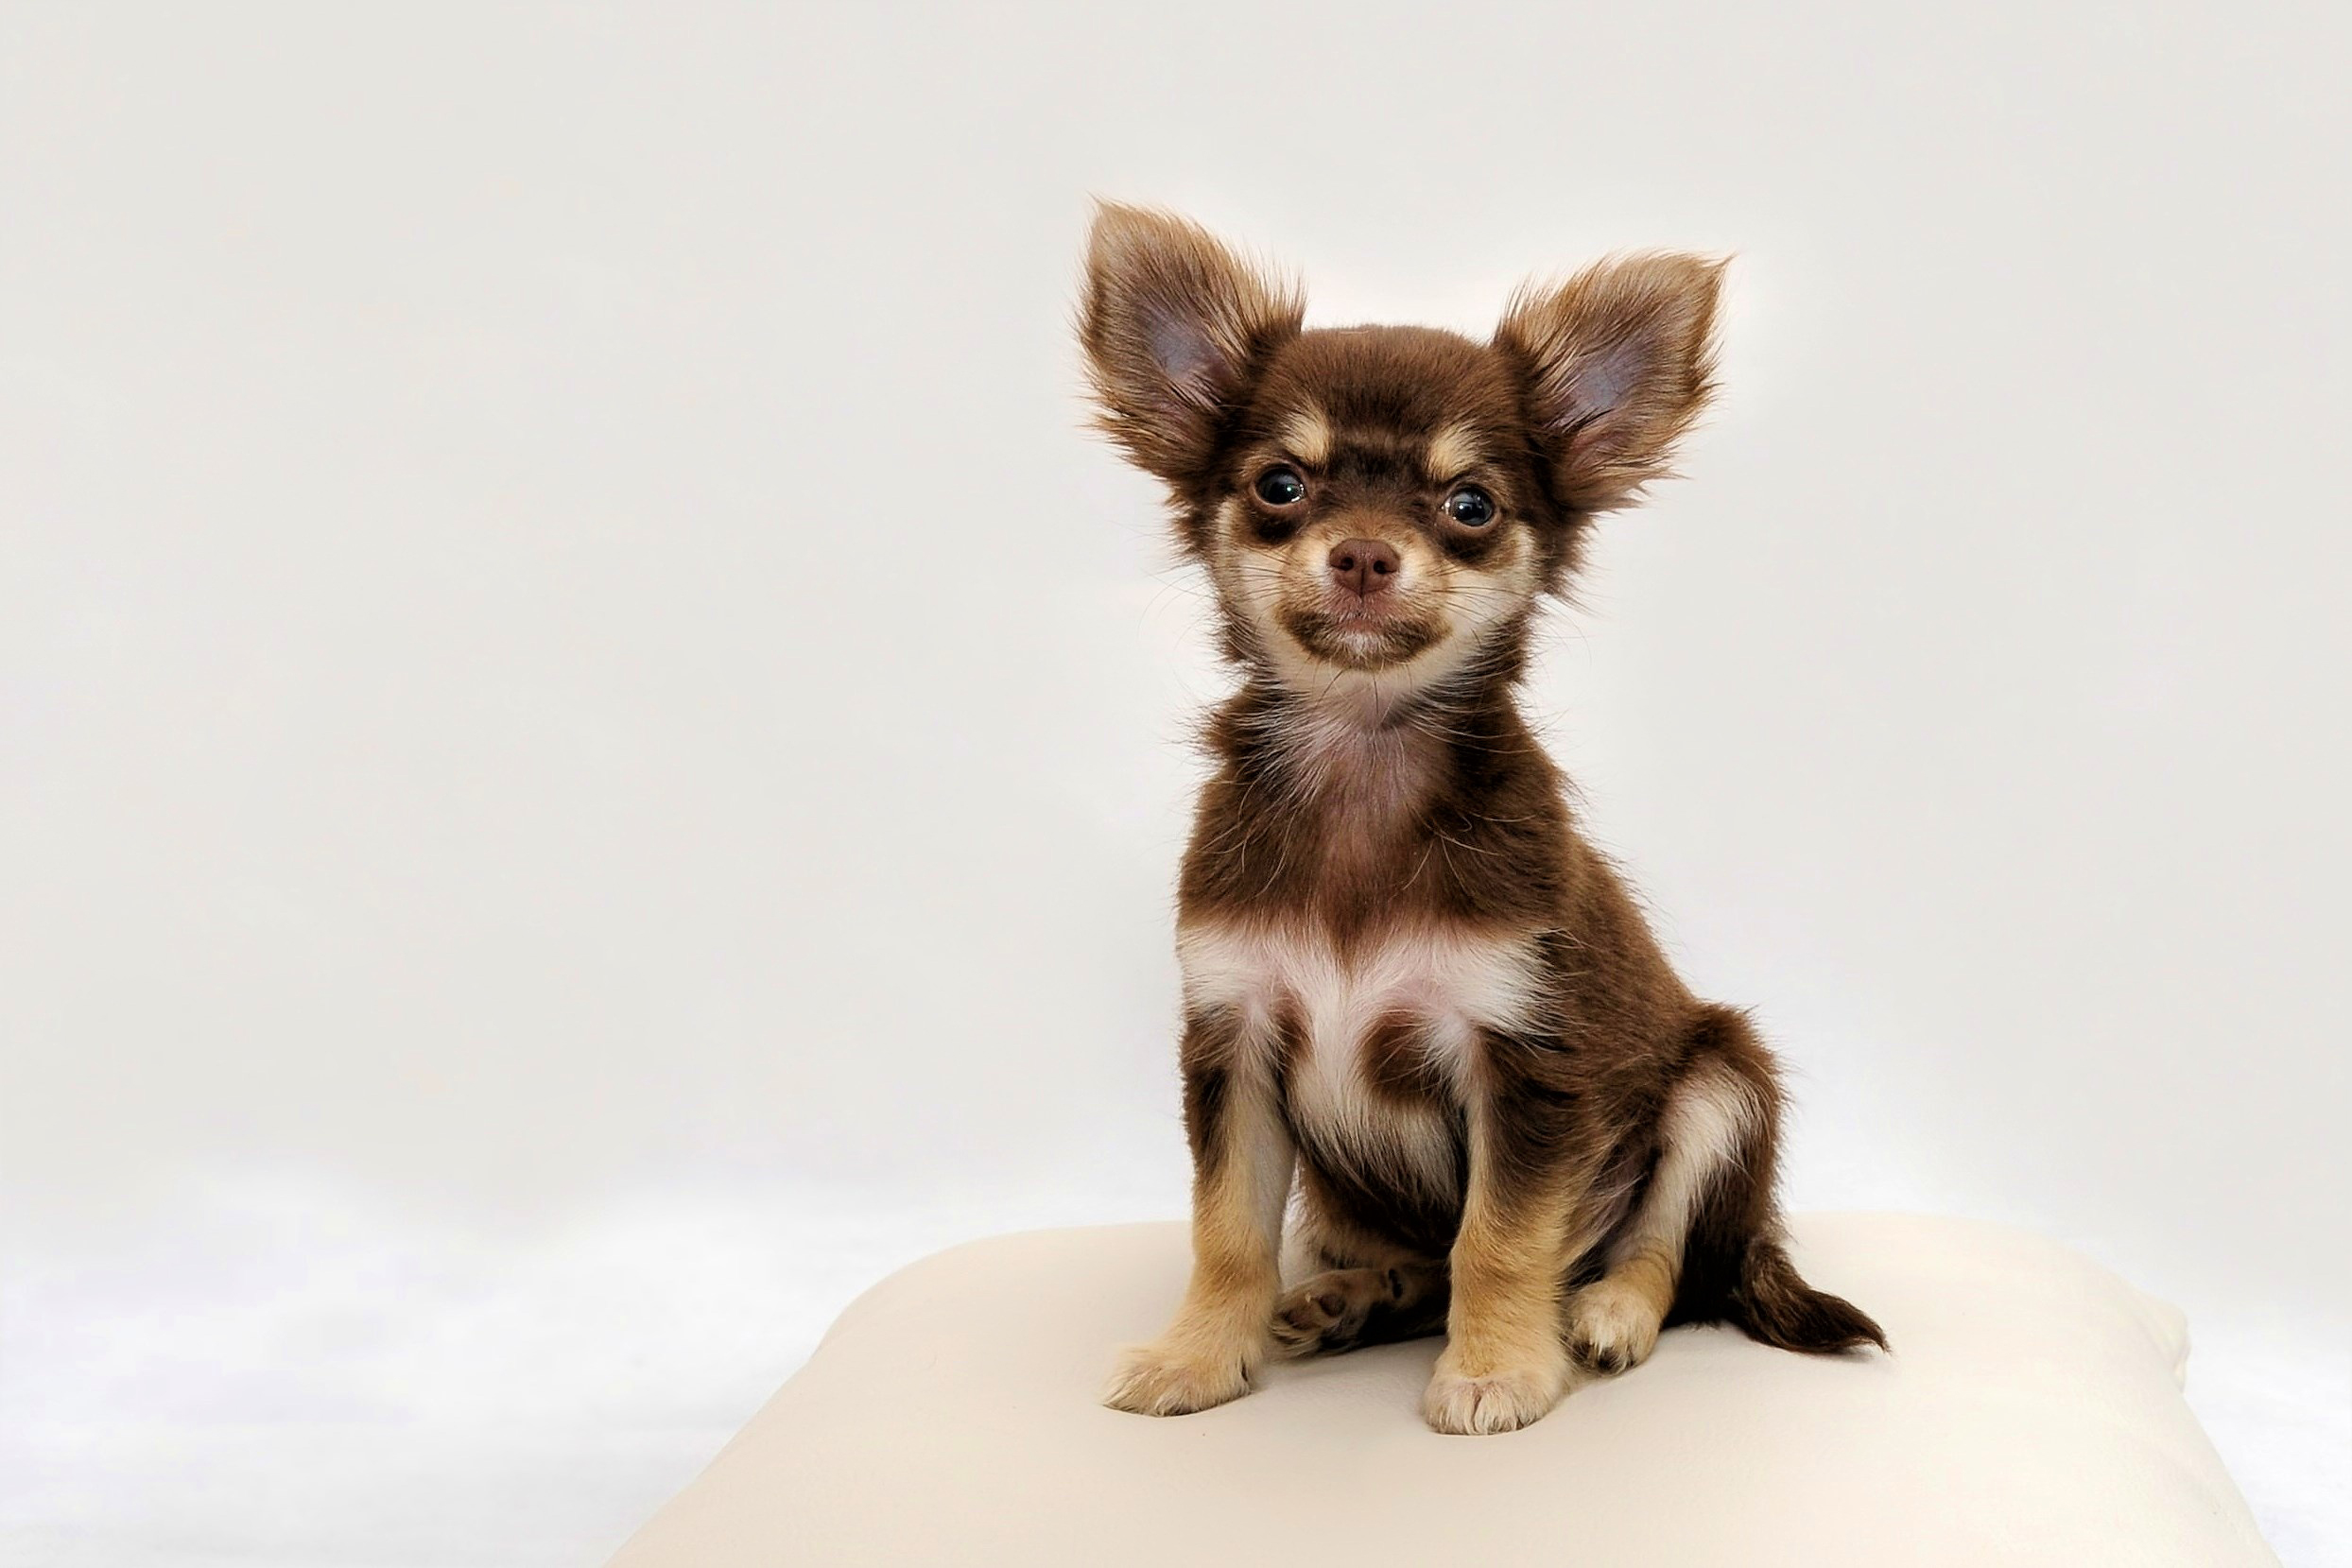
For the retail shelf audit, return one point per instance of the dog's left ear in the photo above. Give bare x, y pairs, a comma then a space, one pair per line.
1173, 325
1617, 363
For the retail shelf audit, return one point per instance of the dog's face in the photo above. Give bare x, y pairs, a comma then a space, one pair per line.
1381, 507
1375, 511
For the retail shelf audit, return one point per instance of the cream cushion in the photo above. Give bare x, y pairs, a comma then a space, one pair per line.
2031, 1414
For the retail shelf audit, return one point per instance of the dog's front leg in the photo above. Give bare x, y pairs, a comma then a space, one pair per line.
1241, 1166
1505, 1363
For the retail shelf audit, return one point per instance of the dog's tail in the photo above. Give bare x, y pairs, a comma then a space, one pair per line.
1773, 1304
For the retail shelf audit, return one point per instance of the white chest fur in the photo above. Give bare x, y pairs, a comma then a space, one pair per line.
1449, 984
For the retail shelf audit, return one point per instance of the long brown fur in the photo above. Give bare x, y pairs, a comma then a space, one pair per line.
1416, 997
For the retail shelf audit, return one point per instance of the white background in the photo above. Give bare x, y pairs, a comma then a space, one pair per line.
590, 756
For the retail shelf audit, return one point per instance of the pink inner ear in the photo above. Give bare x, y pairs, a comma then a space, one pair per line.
1604, 380
1186, 355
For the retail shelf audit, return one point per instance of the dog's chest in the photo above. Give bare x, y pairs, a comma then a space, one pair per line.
1371, 1041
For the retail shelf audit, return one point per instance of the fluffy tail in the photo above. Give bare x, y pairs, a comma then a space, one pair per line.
1771, 1303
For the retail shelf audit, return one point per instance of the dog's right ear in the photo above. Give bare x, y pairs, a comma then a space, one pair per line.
1173, 324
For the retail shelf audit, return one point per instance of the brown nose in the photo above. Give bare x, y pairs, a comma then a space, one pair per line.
1363, 566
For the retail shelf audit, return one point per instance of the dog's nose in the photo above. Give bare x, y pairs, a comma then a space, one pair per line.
1363, 566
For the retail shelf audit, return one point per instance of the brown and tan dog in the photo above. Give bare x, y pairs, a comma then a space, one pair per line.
1412, 989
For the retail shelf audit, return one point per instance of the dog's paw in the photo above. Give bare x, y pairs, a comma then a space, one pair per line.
1328, 1311
1478, 1402
1164, 1380
1612, 1326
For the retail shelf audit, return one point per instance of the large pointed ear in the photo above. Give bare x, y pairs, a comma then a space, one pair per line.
1618, 361
1173, 324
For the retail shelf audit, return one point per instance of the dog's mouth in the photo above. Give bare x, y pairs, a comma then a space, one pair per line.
1362, 636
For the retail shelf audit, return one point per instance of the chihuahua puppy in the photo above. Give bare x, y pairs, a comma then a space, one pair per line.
1418, 1008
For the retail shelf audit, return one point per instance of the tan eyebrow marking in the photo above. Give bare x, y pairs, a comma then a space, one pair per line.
1308, 437
1450, 452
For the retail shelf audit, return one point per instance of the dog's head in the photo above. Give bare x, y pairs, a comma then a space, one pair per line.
1381, 507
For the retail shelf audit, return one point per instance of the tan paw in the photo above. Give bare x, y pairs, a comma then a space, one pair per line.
1500, 1399
1160, 1380
1612, 1325
1328, 1311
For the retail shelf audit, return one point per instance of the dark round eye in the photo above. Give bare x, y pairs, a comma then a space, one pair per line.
1470, 506
1281, 487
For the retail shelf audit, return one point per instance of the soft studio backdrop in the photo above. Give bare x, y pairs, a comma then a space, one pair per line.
590, 757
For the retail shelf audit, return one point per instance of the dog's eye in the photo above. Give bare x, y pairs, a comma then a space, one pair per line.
1281, 487
1470, 506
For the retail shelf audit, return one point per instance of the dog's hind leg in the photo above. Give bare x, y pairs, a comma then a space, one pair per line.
1708, 1132
1344, 1309
1704, 1241
1356, 1289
